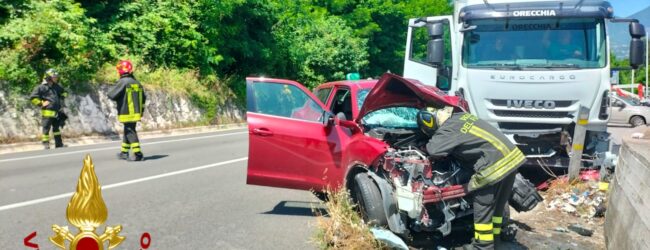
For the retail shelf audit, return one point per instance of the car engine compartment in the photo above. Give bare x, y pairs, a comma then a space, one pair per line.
429, 193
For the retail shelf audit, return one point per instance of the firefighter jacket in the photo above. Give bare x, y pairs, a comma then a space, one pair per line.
476, 143
130, 97
53, 93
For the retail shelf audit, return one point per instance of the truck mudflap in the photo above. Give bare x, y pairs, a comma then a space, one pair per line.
524, 195
395, 223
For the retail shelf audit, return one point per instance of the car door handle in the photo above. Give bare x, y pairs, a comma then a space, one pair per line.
262, 132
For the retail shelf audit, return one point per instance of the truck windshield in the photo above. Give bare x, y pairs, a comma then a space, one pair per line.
530, 44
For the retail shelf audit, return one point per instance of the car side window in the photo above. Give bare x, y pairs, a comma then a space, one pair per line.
284, 100
323, 94
342, 103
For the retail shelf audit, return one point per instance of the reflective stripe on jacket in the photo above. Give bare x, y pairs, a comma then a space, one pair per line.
477, 143
129, 95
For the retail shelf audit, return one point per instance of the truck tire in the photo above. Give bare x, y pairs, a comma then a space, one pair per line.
637, 121
368, 198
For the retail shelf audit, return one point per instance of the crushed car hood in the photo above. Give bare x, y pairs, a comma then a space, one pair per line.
392, 90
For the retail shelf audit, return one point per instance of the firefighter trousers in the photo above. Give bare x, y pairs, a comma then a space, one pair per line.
47, 124
489, 205
130, 139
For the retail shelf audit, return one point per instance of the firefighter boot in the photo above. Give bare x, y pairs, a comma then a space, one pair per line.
45, 139
139, 156
58, 142
123, 155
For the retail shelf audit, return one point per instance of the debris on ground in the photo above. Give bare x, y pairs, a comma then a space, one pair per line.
581, 230
637, 135
584, 199
389, 239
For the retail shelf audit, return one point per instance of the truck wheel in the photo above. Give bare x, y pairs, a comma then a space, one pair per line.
637, 121
369, 201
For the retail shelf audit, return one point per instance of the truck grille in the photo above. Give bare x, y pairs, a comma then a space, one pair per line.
558, 104
531, 114
524, 126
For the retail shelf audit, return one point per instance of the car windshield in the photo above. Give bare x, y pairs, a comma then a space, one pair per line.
535, 44
393, 117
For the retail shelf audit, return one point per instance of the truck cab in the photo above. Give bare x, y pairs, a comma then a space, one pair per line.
526, 67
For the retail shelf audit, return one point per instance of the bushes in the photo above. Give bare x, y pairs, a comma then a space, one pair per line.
50, 34
205, 42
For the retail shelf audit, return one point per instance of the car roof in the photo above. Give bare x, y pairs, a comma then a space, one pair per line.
354, 84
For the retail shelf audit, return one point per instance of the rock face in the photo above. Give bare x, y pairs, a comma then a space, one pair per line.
94, 113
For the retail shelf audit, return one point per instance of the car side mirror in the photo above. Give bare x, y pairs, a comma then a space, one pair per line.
328, 118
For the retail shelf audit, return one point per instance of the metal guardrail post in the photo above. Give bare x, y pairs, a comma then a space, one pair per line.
578, 143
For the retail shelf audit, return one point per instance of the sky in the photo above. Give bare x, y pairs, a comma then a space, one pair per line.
625, 8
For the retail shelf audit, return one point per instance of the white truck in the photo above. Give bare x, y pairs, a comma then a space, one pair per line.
527, 67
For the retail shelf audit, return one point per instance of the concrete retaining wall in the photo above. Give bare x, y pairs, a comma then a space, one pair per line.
627, 224
94, 114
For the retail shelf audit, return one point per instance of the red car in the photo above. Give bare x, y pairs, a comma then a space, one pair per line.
360, 134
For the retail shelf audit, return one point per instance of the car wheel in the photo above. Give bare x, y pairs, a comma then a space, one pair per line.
369, 201
637, 121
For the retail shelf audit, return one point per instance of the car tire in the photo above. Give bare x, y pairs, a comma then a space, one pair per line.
368, 198
637, 121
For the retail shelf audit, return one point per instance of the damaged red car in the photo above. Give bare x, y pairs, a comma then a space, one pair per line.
361, 135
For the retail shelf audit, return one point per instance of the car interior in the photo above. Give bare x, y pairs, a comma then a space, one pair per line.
342, 104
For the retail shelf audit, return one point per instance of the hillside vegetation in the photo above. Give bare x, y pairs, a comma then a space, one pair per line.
203, 48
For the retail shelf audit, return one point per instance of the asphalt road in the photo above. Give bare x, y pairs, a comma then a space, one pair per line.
190, 193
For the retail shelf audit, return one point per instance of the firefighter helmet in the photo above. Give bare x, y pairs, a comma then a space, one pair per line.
50, 74
429, 119
124, 67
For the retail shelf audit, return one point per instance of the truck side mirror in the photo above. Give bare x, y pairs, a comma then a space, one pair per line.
436, 45
637, 46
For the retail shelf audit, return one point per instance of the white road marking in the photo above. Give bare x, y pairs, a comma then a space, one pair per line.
114, 148
119, 184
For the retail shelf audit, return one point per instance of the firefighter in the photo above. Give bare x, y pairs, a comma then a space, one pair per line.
495, 160
130, 98
49, 97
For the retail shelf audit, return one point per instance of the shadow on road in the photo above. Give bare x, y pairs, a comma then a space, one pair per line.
154, 157
297, 208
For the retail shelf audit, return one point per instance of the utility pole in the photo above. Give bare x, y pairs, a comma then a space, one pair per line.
647, 42
632, 82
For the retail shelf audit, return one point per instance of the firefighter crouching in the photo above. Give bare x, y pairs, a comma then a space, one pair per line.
49, 97
495, 160
130, 98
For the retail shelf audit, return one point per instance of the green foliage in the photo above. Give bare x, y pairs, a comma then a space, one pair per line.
320, 48
203, 48
49, 34
626, 75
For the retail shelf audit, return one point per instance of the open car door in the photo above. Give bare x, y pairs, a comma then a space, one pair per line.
288, 140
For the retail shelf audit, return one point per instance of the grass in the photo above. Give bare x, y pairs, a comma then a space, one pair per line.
342, 227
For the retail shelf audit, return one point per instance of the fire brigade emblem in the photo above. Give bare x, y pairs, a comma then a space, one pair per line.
87, 211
